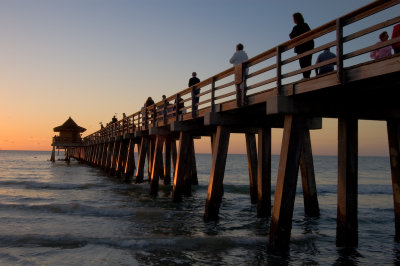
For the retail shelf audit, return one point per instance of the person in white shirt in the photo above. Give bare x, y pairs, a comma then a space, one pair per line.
239, 57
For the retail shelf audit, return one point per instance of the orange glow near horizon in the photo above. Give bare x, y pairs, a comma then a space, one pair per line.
37, 135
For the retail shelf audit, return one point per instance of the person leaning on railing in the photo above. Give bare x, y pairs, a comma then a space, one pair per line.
395, 34
324, 56
384, 51
239, 57
193, 81
300, 28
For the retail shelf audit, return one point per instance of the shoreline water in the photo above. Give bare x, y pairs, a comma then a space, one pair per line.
65, 214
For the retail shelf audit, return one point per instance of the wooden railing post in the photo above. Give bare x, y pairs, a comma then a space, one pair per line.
279, 69
146, 113
194, 109
154, 115
213, 95
165, 111
339, 50
177, 105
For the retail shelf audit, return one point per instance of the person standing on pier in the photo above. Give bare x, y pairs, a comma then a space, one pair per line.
395, 34
300, 28
384, 51
325, 55
193, 81
238, 58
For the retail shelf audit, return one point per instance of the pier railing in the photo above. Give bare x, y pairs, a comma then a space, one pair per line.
267, 72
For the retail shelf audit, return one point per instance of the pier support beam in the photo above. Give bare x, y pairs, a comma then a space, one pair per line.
264, 173
215, 185
130, 161
157, 165
167, 160
181, 166
53, 154
393, 128
311, 206
143, 149
252, 165
347, 224
193, 171
285, 192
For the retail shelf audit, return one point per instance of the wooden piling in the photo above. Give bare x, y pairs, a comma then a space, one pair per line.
167, 160
141, 160
393, 128
215, 185
130, 160
193, 170
311, 206
264, 173
252, 165
181, 166
347, 224
53, 154
285, 192
156, 170
114, 156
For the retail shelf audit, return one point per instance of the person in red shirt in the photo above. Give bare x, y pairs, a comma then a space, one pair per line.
396, 33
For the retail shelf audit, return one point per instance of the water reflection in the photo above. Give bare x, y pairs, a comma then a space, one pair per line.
348, 256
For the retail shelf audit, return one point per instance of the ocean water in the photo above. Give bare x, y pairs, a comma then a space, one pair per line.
74, 214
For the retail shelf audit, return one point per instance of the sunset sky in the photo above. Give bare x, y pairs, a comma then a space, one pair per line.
91, 59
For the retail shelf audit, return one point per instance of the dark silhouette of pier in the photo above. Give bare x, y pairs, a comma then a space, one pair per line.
277, 98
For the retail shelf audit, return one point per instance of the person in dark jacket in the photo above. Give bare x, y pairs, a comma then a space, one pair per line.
193, 81
300, 28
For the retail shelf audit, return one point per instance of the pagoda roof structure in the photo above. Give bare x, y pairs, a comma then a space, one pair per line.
69, 125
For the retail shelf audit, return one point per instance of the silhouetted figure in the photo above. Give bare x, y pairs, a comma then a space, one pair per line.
384, 51
148, 103
193, 81
395, 34
239, 57
325, 55
114, 119
300, 28
180, 106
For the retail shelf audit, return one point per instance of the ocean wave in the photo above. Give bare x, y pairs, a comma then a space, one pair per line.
363, 189
71, 208
73, 241
47, 185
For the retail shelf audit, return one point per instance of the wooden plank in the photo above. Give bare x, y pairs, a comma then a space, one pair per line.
252, 165
347, 224
393, 129
215, 185
264, 173
376, 27
311, 206
181, 165
285, 192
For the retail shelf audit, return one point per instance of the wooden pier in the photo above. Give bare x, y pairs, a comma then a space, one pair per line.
277, 98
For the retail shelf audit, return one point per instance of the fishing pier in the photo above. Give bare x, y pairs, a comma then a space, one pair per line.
278, 97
